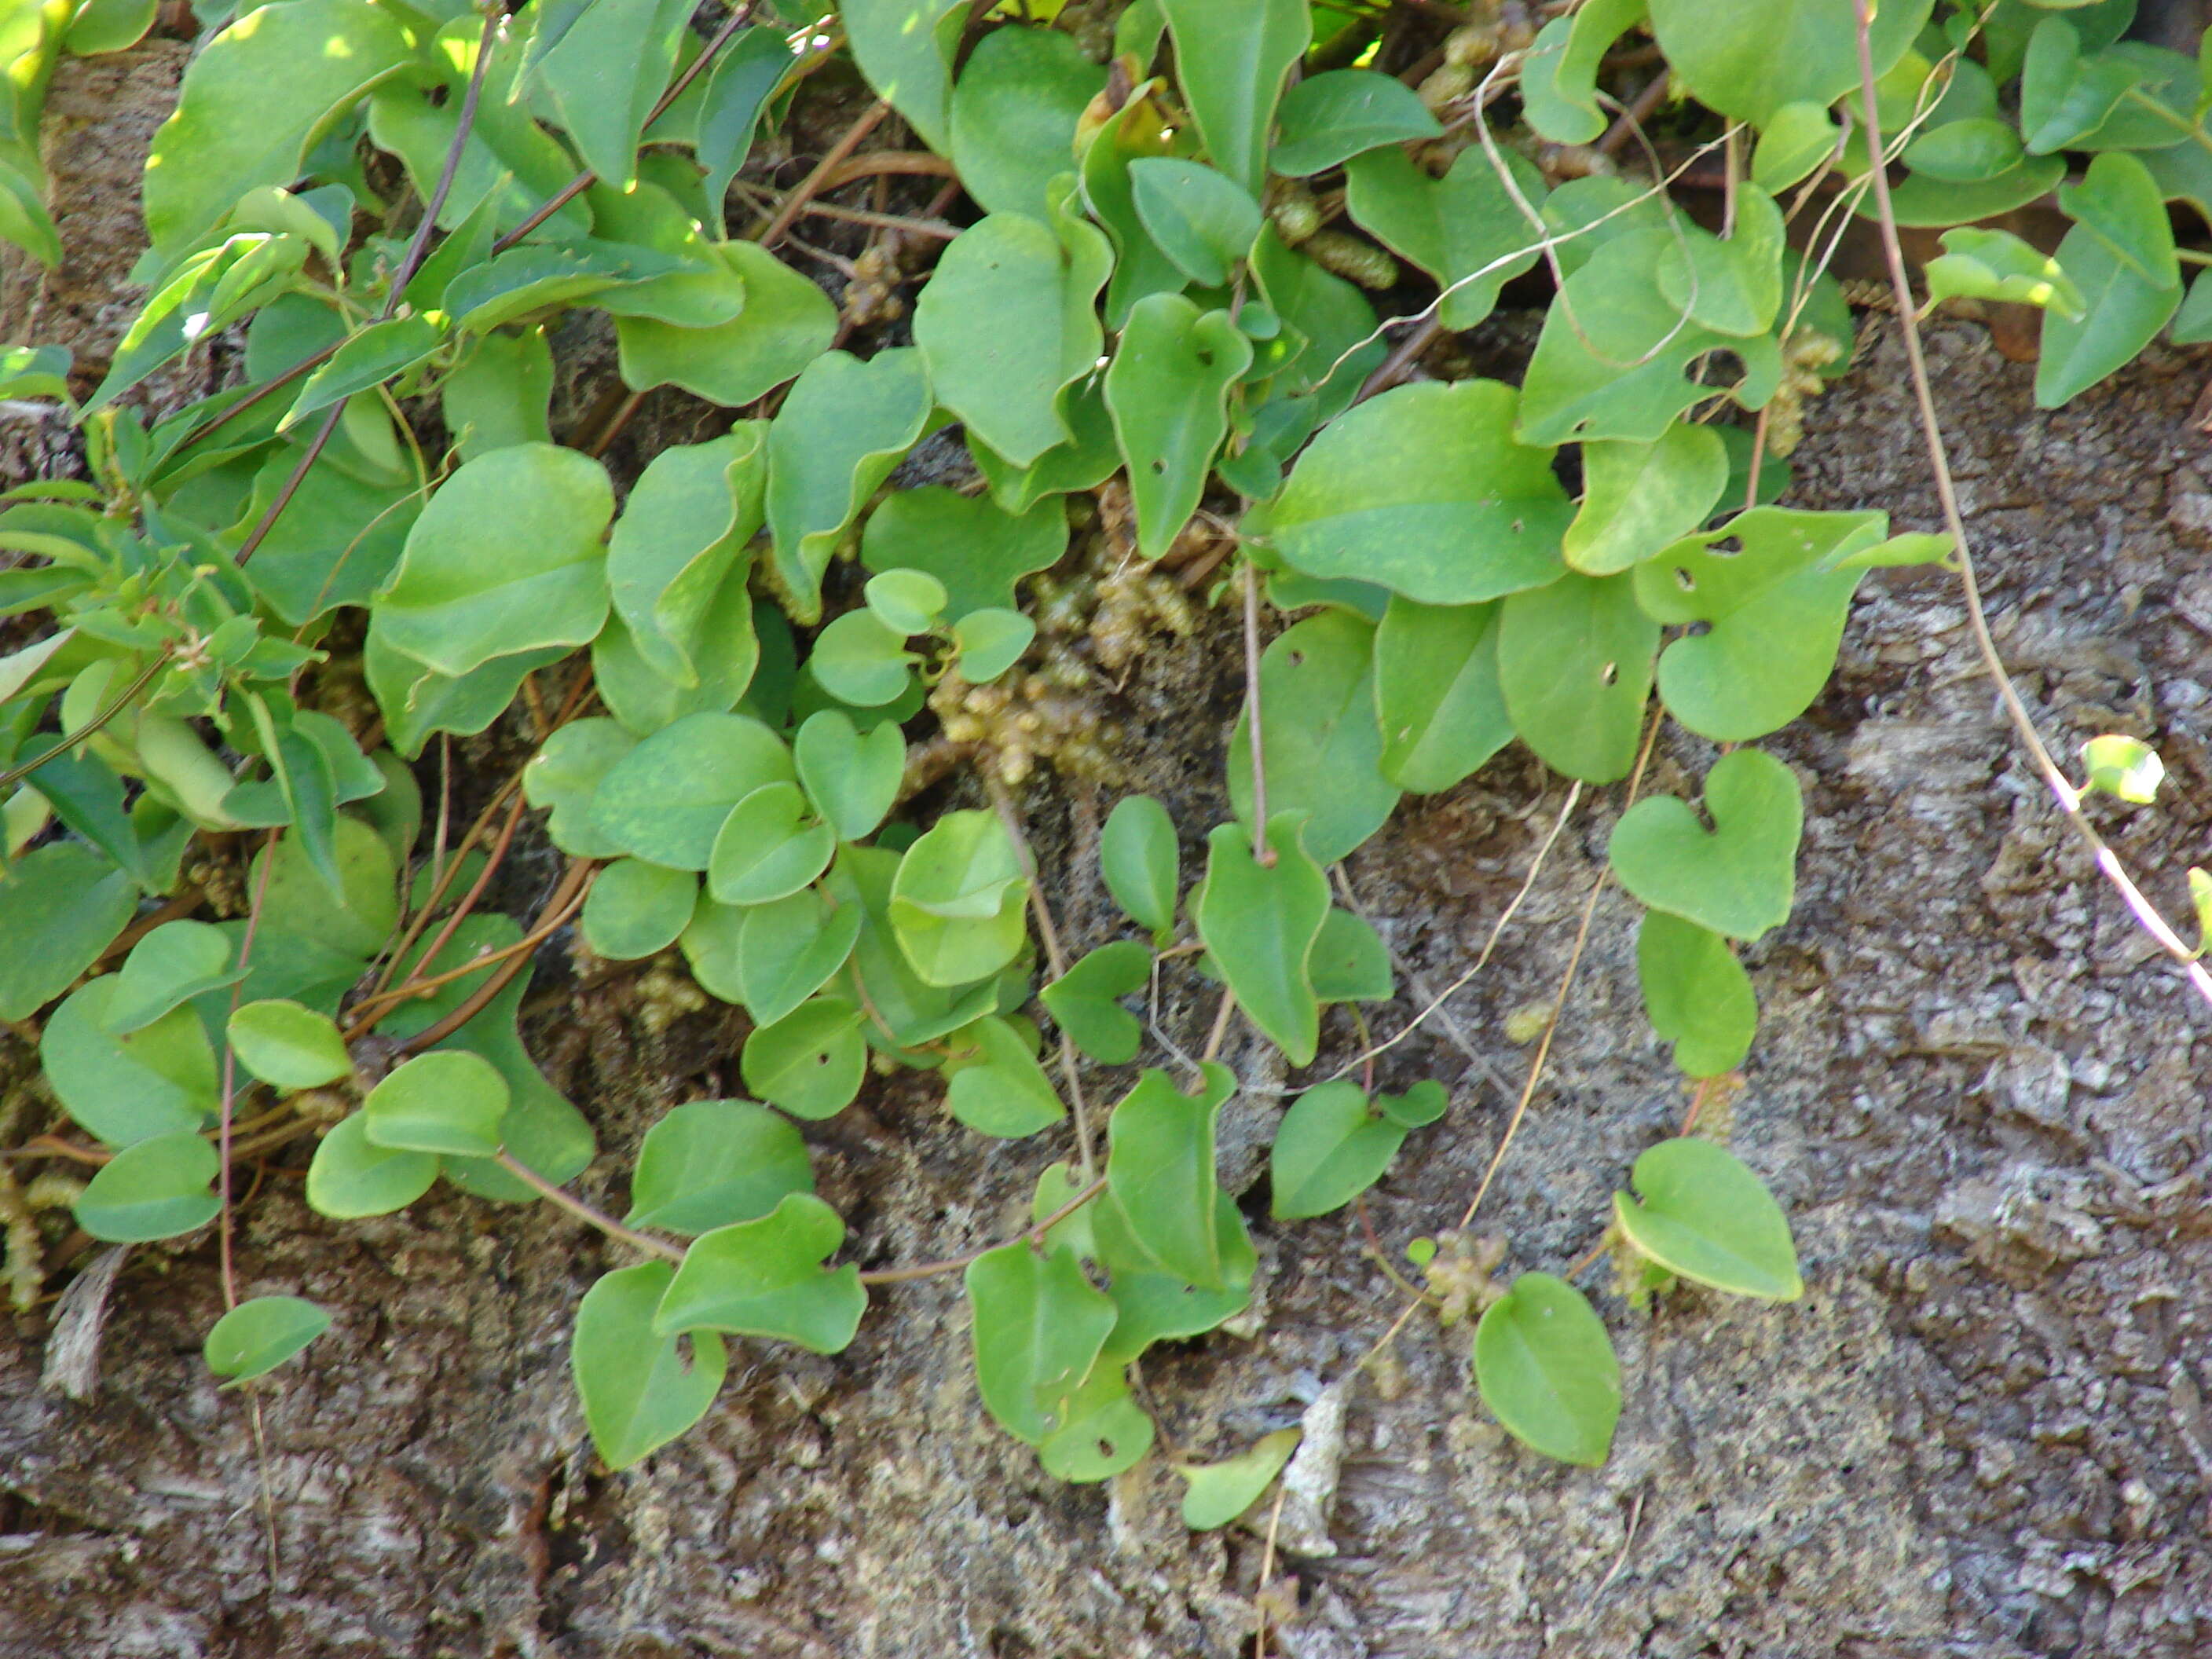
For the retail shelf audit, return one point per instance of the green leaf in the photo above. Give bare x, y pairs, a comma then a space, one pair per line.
1995, 265
783, 953
913, 1010
158, 1080
1733, 286
1105, 1431
257, 1336
1437, 693
1349, 962
1969, 151
811, 1061
636, 910
1799, 137
1038, 1325
173, 963
977, 549
448, 1102
905, 601
1640, 497
2124, 766
994, 1083
852, 780
990, 642
1084, 462
842, 427
1921, 200
765, 1278
1200, 219
1696, 994
1007, 321
1425, 490
1546, 1370
956, 902
680, 541
1218, 1492
1159, 1174
638, 1392
1013, 116
506, 558
256, 98
106, 26
667, 800
293, 1047
1139, 128
1085, 1000
711, 1163
1707, 1216
905, 48
74, 902
1320, 740
1747, 58
367, 359
1464, 229
2122, 314
295, 900
1574, 662
1138, 859
1330, 117
2120, 205
1736, 879
1260, 923
1232, 57
786, 324
1558, 78
351, 1177
605, 74
1328, 1149
860, 659
24, 221
768, 848
86, 796
155, 1188
1767, 585
564, 774
1167, 388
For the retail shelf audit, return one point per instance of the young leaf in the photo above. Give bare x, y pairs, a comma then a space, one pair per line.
175, 962
1640, 497
157, 1188
1218, 1492
1231, 56
1002, 1092
636, 910
1995, 265
257, 1336
2124, 766
159, 1080
1737, 879
1328, 1149
956, 902
990, 641
1085, 1000
1200, 219
1137, 857
1425, 490
1575, 663
1330, 117
448, 1102
667, 800
287, 1045
765, 1278
913, 1010
1166, 389
851, 779
1437, 693
1007, 321
862, 660
1322, 747
709, 1164
638, 1392
1696, 994
1038, 1325
351, 1177
977, 549
1259, 923
1546, 1368
811, 1061
1160, 1178
1707, 1216
768, 849
74, 902
1014, 111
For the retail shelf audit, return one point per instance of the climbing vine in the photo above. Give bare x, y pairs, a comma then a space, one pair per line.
1157, 235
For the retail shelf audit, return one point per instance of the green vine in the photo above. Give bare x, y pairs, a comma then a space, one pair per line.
1155, 228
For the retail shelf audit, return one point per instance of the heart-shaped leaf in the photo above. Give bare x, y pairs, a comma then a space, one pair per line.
1320, 740
861, 659
639, 1392
785, 951
1328, 1149
1349, 962
905, 601
156, 1189
1707, 1216
1014, 111
666, 800
852, 780
1330, 117
975, 548
1737, 879
74, 902
1559, 79
990, 642
765, 1278
768, 848
956, 902
351, 1177
709, 1164
1038, 1325
1166, 388
1260, 923
1546, 1370
1747, 58
787, 325
1103, 1431
175, 962
1696, 994
1637, 498
450, 1101
997, 1088
257, 1336
1465, 229
811, 1061
1085, 1000
159, 1080
636, 910
1160, 1179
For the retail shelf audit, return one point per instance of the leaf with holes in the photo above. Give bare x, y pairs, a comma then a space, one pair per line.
1696, 994
1037, 1327
1166, 388
1260, 923
811, 1061
1546, 1370
1575, 663
1104, 1432
639, 1391
1736, 879
765, 1278
1705, 1216
711, 1163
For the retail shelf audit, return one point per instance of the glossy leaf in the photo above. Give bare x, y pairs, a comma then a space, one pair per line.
259, 1335
1696, 994
956, 902
1013, 117
1037, 1327
811, 1061
765, 1278
1166, 388
1546, 1370
711, 1163
1231, 56
1260, 924
1705, 1216
1736, 879
1575, 663
154, 1188
905, 48
1137, 860
1085, 1000
636, 910
287, 1045
638, 1390
1437, 693
1995, 265
852, 780
2126, 767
